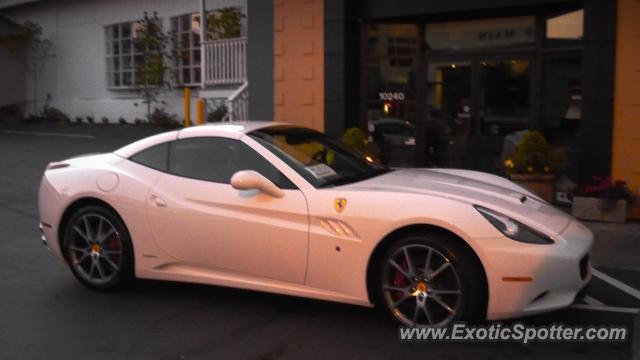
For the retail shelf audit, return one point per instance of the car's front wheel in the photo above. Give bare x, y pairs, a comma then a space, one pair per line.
98, 248
429, 279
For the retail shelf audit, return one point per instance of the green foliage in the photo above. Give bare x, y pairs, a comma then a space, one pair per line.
151, 71
605, 187
218, 114
38, 45
355, 138
38, 53
224, 23
160, 117
533, 155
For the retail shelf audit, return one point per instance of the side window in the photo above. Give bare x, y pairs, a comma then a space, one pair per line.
155, 157
217, 159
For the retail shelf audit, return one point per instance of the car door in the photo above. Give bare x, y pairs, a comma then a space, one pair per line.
197, 217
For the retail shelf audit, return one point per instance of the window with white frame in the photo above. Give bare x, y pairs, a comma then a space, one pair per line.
186, 29
122, 54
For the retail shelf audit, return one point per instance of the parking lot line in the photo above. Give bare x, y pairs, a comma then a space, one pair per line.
627, 310
617, 283
592, 301
37, 133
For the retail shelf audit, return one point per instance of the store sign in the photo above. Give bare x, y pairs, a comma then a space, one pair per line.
483, 33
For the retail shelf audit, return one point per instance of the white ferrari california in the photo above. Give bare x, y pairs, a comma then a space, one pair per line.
279, 208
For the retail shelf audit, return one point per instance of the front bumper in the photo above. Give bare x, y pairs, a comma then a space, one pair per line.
526, 279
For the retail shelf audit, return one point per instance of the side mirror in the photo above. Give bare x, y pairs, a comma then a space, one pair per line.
252, 180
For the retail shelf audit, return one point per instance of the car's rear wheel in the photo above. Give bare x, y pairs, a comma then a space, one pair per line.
429, 279
98, 248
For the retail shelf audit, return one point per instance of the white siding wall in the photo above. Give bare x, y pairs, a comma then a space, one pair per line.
76, 76
12, 69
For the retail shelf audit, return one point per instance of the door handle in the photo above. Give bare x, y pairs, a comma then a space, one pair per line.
158, 201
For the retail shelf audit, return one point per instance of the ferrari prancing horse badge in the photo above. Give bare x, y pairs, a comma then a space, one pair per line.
340, 204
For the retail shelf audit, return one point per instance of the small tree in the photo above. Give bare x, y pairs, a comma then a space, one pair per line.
38, 53
225, 23
151, 70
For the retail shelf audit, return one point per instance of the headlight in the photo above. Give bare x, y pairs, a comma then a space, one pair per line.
513, 229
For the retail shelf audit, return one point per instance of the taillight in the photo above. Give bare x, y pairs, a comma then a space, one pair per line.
57, 165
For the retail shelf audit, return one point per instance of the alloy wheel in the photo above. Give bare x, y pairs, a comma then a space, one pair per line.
95, 249
421, 286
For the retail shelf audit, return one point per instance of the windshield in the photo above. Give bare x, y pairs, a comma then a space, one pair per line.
320, 159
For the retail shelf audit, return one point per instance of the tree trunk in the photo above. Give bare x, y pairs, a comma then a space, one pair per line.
148, 111
36, 112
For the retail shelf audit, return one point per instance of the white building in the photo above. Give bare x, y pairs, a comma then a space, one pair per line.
91, 70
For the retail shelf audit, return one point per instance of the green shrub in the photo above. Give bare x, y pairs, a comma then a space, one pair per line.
54, 114
160, 117
218, 114
533, 155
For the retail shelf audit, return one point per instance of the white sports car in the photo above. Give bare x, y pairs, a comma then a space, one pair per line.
285, 209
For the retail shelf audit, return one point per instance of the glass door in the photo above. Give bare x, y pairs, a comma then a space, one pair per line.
390, 80
449, 112
504, 95
476, 109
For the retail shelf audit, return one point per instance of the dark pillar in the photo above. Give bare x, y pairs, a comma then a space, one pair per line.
598, 69
260, 59
334, 67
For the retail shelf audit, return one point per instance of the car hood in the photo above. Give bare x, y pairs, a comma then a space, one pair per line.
475, 188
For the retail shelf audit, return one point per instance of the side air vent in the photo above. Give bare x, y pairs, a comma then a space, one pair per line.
337, 227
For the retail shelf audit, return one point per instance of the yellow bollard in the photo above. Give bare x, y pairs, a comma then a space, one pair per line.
200, 111
187, 107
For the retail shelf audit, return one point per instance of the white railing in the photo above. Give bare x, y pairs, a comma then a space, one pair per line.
238, 104
225, 61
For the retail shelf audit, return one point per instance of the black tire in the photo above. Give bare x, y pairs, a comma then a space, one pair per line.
426, 291
101, 265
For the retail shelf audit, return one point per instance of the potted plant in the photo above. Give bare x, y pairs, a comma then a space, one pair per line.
533, 164
602, 199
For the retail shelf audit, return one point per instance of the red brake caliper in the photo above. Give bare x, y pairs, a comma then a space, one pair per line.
113, 244
400, 280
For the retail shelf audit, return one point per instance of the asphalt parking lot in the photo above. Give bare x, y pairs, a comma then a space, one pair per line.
46, 314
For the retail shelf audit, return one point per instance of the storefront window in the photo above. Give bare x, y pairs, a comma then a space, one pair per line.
561, 71
480, 93
391, 90
504, 96
566, 26
481, 34
449, 120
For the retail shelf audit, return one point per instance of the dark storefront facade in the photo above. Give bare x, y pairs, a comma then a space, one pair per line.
453, 84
